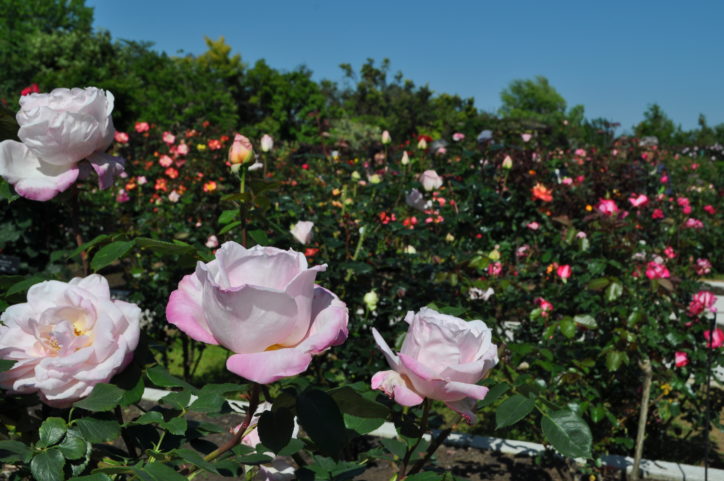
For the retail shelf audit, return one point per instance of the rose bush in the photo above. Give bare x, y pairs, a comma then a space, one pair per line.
66, 339
442, 358
262, 304
58, 130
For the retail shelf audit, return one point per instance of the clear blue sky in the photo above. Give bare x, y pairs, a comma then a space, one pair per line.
614, 57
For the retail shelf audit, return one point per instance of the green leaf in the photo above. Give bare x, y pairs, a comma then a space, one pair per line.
13, 451
96, 430
208, 403
91, 477
230, 226
48, 466
163, 247
294, 446
24, 285
51, 432
494, 393
236, 196
103, 397
259, 237
196, 459
351, 402
568, 433
614, 359
88, 245
6, 364
598, 284
396, 447
567, 327
160, 376
613, 291
180, 399
322, 420
362, 425
176, 426
276, 428
512, 410
228, 216
109, 253
157, 472
73, 446
150, 417
586, 320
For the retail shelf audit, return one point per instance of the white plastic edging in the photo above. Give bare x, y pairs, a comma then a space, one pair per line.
659, 470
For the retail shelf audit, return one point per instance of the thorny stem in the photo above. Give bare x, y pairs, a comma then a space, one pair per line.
75, 216
236, 438
430, 451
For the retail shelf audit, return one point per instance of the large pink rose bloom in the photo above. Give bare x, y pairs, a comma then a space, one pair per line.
66, 339
58, 130
442, 358
262, 304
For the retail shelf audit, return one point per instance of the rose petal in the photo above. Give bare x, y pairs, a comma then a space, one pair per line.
185, 312
107, 167
395, 386
269, 366
329, 322
465, 408
32, 177
392, 359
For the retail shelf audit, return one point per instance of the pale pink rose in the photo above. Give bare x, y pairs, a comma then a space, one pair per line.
522, 251
533, 226
182, 148
212, 242
59, 131
121, 137
681, 359
714, 339
607, 207
458, 136
564, 271
122, 196
66, 339
442, 358
702, 267
581, 235
174, 196
165, 161
142, 127
526, 137
638, 200
656, 270
302, 231
430, 180
441, 151
267, 143
580, 152
141, 180
692, 223
261, 304
168, 138
567, 181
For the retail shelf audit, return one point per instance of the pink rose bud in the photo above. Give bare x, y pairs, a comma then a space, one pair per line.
533, 226
263, 305
442, 358
564, 271
241, 150
681, 359
386, 139
67, 338
267, 143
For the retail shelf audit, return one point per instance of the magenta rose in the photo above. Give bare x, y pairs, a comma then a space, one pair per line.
263, 305
66, 339
442, 358
58, 130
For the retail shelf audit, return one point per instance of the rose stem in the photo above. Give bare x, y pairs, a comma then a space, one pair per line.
234, 440
130, 445
75, 215
423, 428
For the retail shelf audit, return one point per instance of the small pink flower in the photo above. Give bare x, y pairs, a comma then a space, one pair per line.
457, 136
526, 137
607, 207
580, 179
669, 252
142, 127
657, 214
545, 306
564, 271
174, 196
212, 242
655, 270
141, 180
681, 359
715, 339
692, 223
168, 138
533, 226
165, 161
580, 152
702, 301
522, 251
702, 267
581, 235
638, 200
182, 149
495, 268
567, 181
122, 196
709, 209
121, 137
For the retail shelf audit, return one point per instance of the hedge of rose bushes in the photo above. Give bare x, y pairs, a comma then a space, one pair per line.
571, 268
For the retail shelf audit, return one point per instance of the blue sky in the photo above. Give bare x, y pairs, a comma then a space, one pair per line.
614, 57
